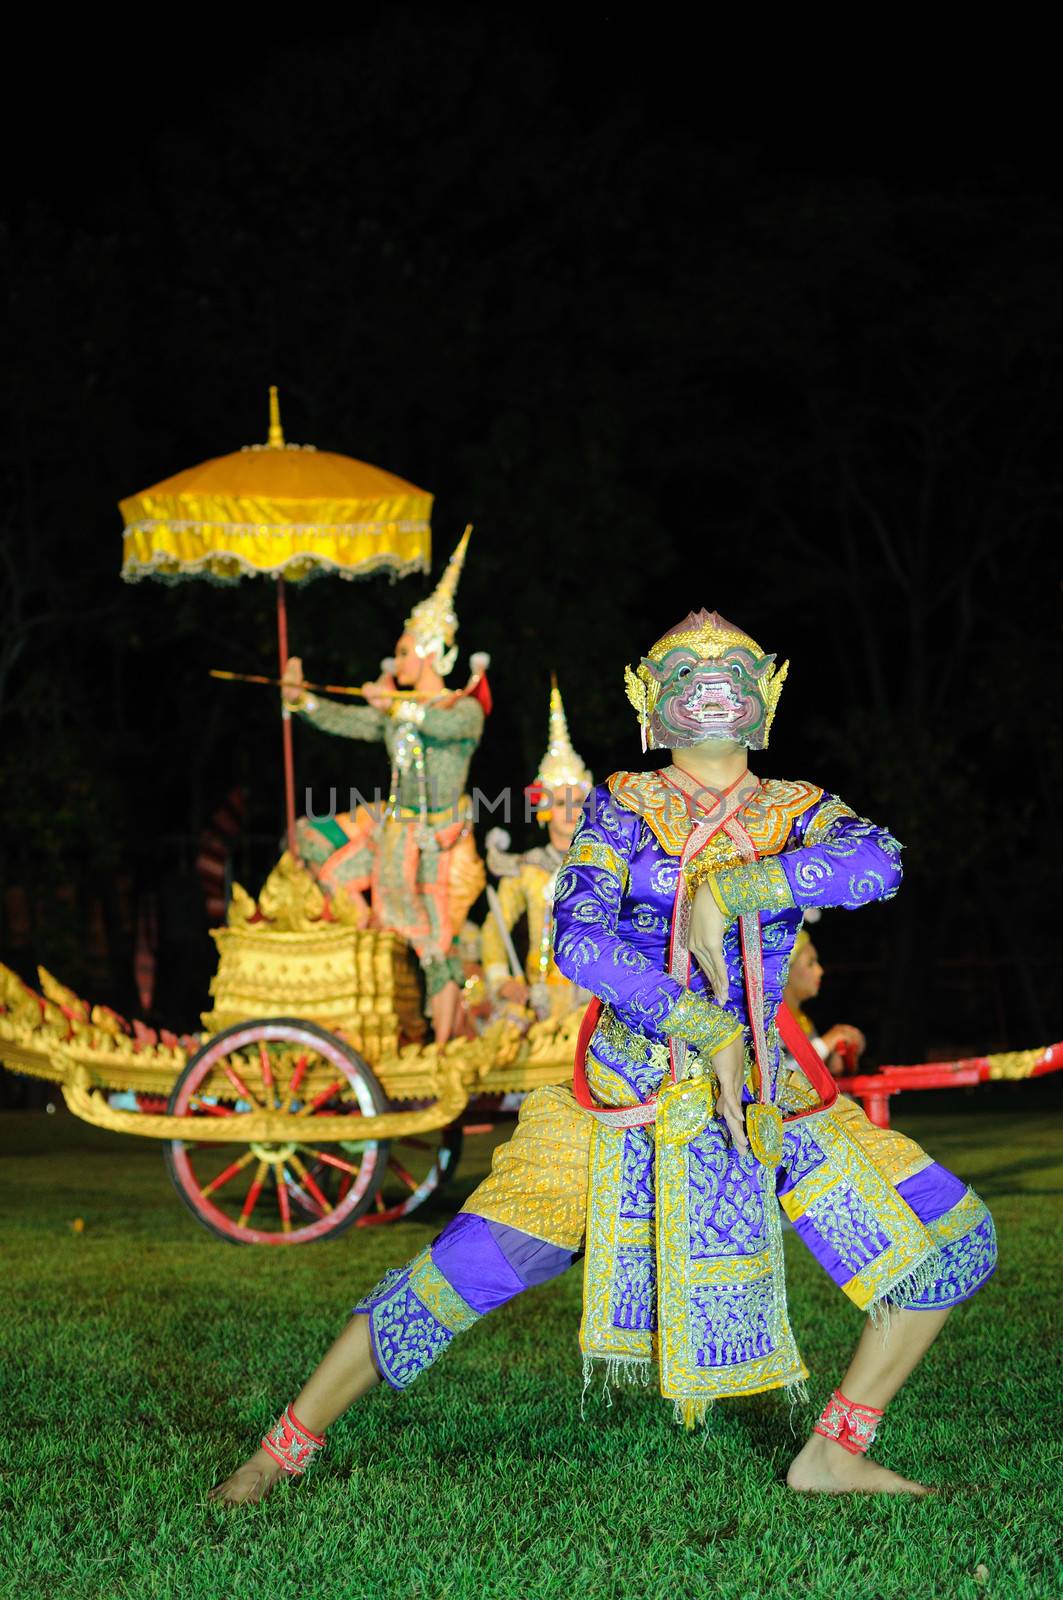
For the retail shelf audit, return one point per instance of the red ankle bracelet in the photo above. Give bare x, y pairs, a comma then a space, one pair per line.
848, 1423
292, 1446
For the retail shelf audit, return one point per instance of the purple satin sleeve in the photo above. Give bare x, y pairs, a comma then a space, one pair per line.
589, 947
852, 863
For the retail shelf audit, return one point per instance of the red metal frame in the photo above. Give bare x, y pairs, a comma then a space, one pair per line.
874, 1089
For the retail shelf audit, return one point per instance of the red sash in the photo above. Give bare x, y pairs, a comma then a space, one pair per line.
791, 1033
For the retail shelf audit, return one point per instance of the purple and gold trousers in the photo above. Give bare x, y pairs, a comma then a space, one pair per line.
848, 1188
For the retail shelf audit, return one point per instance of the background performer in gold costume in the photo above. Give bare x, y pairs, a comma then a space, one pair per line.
527, 881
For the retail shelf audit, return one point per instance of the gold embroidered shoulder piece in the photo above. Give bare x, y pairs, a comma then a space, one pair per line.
661, 806
767, 818
770, 814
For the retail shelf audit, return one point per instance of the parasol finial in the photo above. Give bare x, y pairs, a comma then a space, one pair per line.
276, 432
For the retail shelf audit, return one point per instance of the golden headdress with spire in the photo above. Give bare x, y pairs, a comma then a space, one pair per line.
434, 622
561, 766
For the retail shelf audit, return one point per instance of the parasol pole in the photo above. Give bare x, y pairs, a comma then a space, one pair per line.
286, 720
276, 442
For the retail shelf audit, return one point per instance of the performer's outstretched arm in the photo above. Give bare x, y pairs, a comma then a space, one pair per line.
348, 722
590, 951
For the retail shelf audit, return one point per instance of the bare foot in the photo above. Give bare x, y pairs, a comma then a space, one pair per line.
823, 1467
250, 1483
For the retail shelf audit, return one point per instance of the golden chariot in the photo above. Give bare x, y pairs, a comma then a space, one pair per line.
313, 1099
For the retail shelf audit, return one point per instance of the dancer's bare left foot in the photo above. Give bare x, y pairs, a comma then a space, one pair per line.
823, 1467
249, 1483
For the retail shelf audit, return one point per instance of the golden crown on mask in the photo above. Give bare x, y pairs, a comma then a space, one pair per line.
710, 637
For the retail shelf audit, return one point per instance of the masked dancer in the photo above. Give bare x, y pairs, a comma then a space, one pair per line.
667, 1160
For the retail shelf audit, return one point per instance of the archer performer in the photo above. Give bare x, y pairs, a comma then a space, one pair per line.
667, 1159
416, 869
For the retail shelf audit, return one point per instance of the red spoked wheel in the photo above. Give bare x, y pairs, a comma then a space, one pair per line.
417, 1169
271, 1193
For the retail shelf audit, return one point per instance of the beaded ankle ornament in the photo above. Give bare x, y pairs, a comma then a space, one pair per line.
292, 1446
848, 1424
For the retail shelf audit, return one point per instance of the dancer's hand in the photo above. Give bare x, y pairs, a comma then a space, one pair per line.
729, 1065
380, 694
248, 1484
844, 1034
707, 929
294, 690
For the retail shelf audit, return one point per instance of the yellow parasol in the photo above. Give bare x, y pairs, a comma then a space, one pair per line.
282, 511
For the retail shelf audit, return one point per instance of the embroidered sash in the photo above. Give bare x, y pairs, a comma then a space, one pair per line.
684, 1241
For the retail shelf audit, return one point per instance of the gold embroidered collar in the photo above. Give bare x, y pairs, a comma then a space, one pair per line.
670, 806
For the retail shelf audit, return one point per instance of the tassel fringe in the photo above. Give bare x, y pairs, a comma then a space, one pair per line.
632, 1370
638, 1372
914, 1283
690, 1414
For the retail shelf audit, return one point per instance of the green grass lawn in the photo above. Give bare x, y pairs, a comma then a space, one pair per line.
142, 1358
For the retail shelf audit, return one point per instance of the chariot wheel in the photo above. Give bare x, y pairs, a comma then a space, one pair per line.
272, 1193
416, 1169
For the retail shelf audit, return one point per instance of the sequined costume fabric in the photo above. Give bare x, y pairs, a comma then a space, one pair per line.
682, 1272
416, 871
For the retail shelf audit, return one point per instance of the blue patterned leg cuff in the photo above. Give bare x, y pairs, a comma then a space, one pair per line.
966, 1256
413, 1315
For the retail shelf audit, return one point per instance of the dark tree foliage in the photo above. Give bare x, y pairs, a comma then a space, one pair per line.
657, 365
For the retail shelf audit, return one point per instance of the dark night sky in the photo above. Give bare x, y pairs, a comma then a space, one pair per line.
672, 324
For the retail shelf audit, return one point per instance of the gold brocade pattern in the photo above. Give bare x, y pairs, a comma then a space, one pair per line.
767, 816
964, 1216
753, 886
851, 1175
662, 807
443, 1301
593, 853
746, 1291
895, 1155
821, 824
538, 1181
609, 1232
702, 1023
764, 1130
636, 1049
